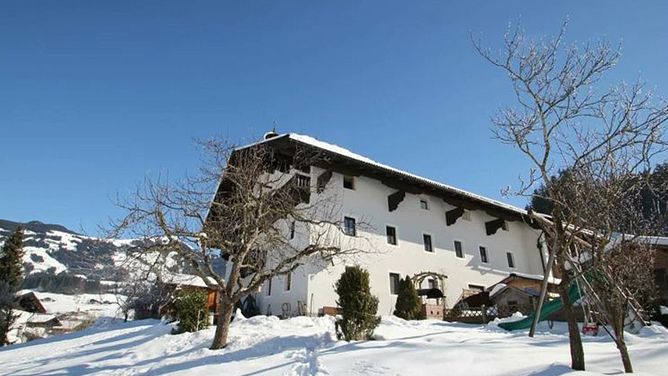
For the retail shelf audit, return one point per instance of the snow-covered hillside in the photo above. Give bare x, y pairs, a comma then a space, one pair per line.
307, 346
55, 249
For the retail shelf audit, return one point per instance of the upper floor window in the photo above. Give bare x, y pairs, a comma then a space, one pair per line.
348, 182
288, 282
426, 239
467, 215
424, 204
349, 226
458, 249
391, 235
504, 226
292, 230
433, 283
269, 287
394, 283
483, 255
511, 259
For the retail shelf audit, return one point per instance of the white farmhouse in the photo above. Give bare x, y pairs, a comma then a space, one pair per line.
412, 225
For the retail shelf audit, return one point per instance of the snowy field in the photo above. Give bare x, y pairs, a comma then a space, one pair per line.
307, 346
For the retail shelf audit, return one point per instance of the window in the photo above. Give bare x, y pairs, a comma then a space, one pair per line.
424, 204
511, 261
349, 226
483, 255
348, 182
458, 249
427, 243
269, 287
394, 283
288, 282
433, 283
391, 235
292, 230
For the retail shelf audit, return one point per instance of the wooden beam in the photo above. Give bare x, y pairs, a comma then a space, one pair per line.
451, 216
322, 181
493, 226
394, 199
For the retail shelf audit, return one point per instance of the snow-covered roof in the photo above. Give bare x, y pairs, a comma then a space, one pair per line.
497, 289
343, 152
187, 280
39, 318
536, 277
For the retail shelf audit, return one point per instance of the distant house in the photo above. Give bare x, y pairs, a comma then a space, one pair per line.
40, 320
661, 268
29, 302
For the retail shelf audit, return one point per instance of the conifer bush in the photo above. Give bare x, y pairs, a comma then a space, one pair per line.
408, 306
358, 305
191, 311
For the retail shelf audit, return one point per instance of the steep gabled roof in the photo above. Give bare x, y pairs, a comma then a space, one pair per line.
396, 178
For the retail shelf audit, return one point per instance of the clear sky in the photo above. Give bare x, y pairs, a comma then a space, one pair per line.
94, 95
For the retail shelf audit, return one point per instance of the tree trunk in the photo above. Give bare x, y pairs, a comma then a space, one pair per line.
618, 327
577, 352
224, 317
624, 353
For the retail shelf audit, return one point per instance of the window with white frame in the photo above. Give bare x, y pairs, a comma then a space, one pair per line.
424, 204
426, 239
394, 283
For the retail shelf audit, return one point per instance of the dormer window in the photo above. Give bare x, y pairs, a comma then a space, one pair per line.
424, 204
348, 182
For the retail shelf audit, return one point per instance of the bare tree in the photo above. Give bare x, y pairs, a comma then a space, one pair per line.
562, 121
246, 216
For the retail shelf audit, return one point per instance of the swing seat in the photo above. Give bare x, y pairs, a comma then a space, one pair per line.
590, 329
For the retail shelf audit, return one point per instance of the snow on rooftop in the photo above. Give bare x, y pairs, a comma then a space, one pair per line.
349, 154
187, 280
538, 277
40, 318
497, 289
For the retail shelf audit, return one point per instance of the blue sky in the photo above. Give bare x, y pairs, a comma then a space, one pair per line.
94, 95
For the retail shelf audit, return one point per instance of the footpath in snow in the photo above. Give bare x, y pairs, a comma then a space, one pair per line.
307, 346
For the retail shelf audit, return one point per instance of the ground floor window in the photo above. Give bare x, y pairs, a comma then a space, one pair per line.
394, 283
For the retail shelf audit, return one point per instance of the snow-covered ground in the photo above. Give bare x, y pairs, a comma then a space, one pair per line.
96, 305
307, 346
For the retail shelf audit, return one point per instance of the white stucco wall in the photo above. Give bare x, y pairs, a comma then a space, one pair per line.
313, 285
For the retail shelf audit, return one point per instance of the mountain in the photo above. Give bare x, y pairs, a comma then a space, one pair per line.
55, 249
56, 257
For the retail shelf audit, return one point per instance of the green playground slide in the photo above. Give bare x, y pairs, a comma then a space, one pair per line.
548, 308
